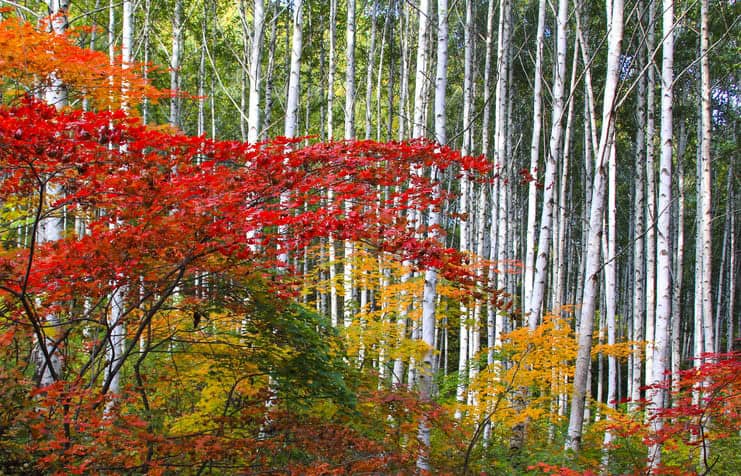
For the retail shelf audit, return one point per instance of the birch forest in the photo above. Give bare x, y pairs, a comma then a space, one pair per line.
370, 237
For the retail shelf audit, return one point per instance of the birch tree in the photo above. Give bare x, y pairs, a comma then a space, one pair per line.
535, 302
291, 121
650, 190
593, 263
115, 349
657, 394
47, 356
464, 233
253, 113
638, 244
175, 63
332, 68
429, 296
534, 160
705, 210
347, 281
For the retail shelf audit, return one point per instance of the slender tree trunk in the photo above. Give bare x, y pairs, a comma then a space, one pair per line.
332, 68
47, 357
650, 194
663, 276
706, 213
678, 262
369, 71
560, 258
404, 73
732, 272
253, 114
333, 301
532, 192
419, 123
535, 301
291, 123
175, 60
267, 114
638, 244
583, 359
499, 211
201, 121
611, 291
429, 296
116, 328
350, 72
465, 193
243, 73
347, 278
487, 80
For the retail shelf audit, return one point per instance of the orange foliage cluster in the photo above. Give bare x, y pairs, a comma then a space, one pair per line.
29, 56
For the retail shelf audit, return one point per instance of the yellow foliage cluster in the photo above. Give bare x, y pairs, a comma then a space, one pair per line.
529, 377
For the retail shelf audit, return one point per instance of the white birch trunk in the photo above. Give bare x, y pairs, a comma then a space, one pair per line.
498, 212
333, 301
560, 263
56, 92
369, 71
532, 192
350, 72
610, 292
347, 275
465, 193
429, 296
502, 158
487, 79
678, 263
657, 396
291, 122
593, 262
332, 70
175, 60
253, 113
706, 213
535, 302
116, 328
638, 247
404, 73
650, 194
47, 358
419, 122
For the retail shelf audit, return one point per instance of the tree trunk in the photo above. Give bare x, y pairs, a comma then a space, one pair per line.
347, 277
650, 194
638, 244
253, 114
333, 301
706, 213
369, 71
419, 123
429, 296
593, 264
663, 245
465, 193
610, 291
532, 192
535, 302
678, 262
291, 122
175, 59
47, 357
